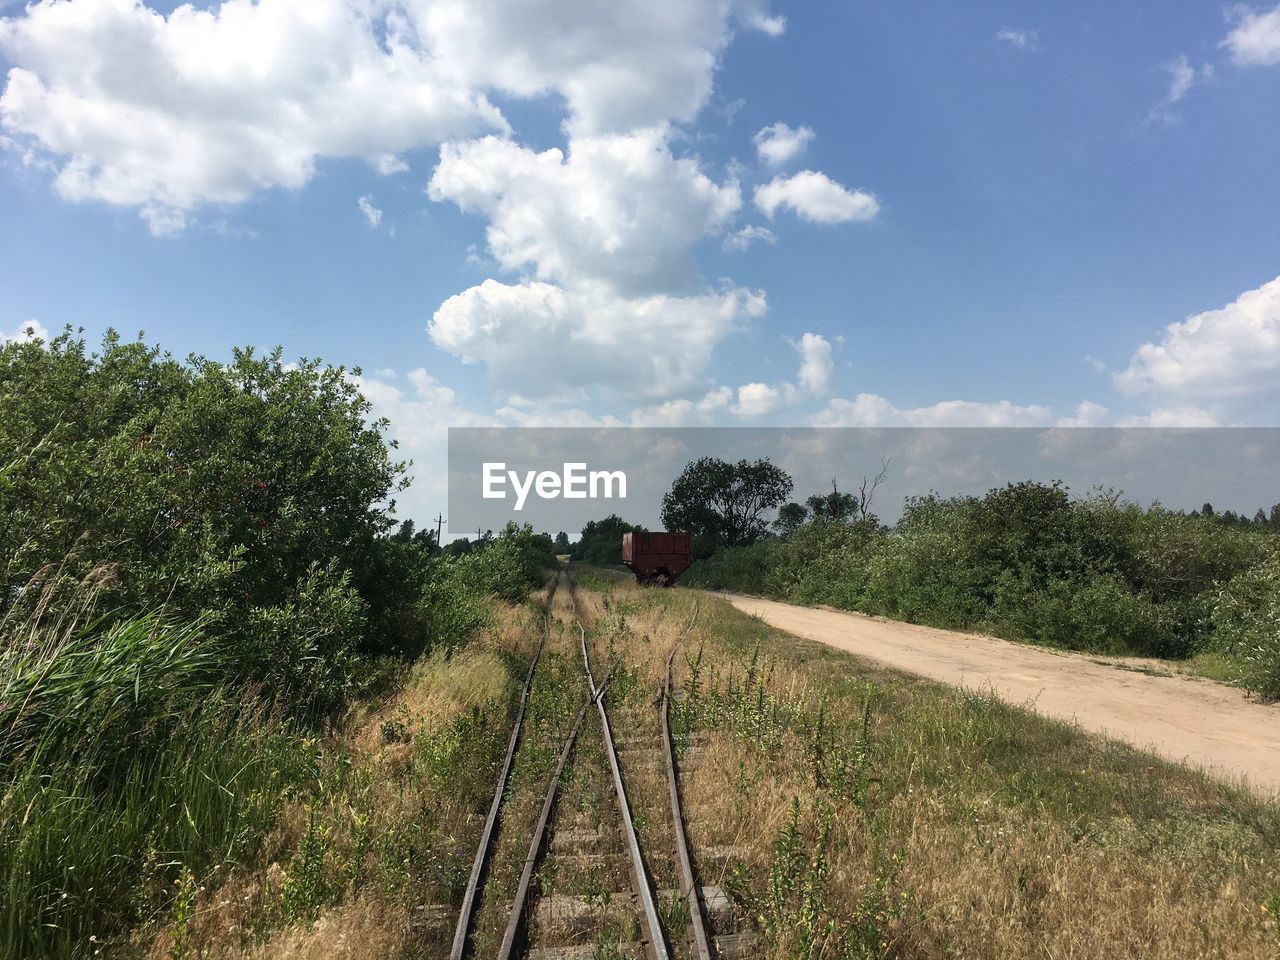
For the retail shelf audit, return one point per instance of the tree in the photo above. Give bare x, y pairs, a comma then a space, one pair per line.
791, 517
252, 496
723, 504
867, 491
601, 541
834, 505
562, 543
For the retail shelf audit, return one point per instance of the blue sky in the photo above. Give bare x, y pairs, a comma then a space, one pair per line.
819, 213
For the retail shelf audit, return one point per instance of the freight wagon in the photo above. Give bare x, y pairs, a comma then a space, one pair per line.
657, 557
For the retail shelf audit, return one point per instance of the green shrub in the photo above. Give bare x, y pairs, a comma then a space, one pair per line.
1246, 623
451, 607
303, 650
1100, 614
745, 569
509, 566
219, 491
1026, 560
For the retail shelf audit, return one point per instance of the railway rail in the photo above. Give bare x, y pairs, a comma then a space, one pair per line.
479, 866
521, 931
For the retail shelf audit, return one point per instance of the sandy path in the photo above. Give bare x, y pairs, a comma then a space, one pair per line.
1198, 722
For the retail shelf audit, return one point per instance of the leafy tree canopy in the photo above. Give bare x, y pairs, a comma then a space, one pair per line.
601, 541
724, 504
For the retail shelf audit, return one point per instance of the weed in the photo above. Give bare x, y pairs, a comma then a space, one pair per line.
184, 908
305, 889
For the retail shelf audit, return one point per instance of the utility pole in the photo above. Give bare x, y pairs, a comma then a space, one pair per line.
439, 530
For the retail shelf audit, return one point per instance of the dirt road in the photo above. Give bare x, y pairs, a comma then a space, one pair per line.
1198, 722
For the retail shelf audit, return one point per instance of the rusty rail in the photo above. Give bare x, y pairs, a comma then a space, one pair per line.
640, 875
511, 936
466, 914
688, 884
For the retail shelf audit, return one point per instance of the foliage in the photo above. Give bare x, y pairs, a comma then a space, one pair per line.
832, 506
724, 504
510, 566
93, 691
791, 517
1247, 621
249, 497
601, 541
1029, 561
199, 564
93, 840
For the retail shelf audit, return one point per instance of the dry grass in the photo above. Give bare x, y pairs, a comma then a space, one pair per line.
975, 829
957, 827
359, 930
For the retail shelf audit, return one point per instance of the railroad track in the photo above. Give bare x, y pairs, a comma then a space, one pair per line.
480, 865
596, 851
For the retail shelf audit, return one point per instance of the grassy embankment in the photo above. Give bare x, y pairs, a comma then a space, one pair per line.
873, 814
853, 812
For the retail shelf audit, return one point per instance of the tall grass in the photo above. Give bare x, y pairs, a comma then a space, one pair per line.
124, 764
86, 691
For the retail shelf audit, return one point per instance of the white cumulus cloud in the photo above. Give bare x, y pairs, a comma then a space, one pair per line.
778, 143
757, 399
816, 365
1168, 417
1255, 39
420, 417
742, 239
372, 215
619, 207
543, 340
1231, 352
872, 410
166, 112
815, 197
619, 66
1087, 414
682, 412
1182, 77
1018, 39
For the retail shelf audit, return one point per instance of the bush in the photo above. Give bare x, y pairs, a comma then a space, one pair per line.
1026, 561
219, 491
304, 649
1100, 614
745, 569
1246, 623
231, 520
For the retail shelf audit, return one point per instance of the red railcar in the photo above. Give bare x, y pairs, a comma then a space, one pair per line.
657, 557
